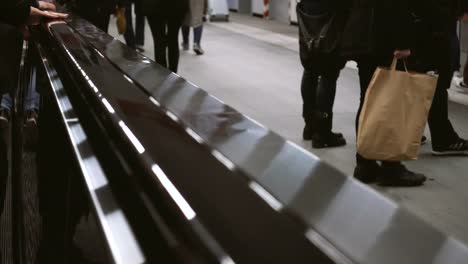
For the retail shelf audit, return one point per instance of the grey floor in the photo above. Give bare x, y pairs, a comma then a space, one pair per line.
253, 65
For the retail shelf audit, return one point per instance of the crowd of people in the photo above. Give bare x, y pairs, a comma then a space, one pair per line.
422, 32
165, 18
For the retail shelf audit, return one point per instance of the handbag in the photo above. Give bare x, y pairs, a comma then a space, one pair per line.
321, 33
395, 114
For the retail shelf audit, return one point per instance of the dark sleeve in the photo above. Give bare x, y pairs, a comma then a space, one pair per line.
437, 16
15, 12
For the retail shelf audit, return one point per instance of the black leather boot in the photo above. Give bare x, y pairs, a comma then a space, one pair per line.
308, 128
323, 137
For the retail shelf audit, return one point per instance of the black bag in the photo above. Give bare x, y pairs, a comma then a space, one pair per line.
321, 33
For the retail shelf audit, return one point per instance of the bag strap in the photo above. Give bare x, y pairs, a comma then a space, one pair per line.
395, 62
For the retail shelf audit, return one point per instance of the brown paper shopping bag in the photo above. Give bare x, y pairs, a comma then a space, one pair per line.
395, 114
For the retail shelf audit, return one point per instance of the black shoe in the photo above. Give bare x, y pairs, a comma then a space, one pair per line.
460, 147
320, 121
367, 172
399, 176
307, 132
198, 49
423, 140
31, 132
4, 118
140, 48
329, 140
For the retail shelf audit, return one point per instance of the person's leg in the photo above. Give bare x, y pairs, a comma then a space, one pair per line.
32, 98
309, 94
185, 37
324, 137
7, 102
390, 173
465, 75
173, 43
5, 110
445, 141
158, 29
197, 35
140, 24
129, 33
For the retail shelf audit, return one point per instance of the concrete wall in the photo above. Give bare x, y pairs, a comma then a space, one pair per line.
245, 6
279, 10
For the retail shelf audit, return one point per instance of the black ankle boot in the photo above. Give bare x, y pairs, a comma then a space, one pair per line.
308, 131
395, 174
323, 136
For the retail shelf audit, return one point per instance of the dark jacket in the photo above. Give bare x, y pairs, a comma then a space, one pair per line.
377, 28
10, 54
438, 15
95, 6
15, 12
165, 8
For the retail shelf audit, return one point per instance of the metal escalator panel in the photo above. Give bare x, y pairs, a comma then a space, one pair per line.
119, 237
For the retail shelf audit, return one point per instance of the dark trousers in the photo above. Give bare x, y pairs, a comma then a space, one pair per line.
318, 87
139, 24
197, 34
367, 67
129, 33
442, 131
95, 16
318, 91
166, 40
10, 54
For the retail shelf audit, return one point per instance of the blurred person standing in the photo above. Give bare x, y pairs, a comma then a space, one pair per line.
134, 37
194, 19
384, 30
97, 12
439, 20
139, 25
165, 19
321, 72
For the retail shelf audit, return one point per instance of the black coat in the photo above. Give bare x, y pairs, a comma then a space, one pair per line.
165, 8
10, 54
15, 12
95, 6
377, 28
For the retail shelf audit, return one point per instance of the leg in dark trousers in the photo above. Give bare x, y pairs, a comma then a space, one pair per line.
158, 27
442, 131
197, 34
185, 35
318, 91
166, 41
390, 173
129, 33
140, 24
173, 29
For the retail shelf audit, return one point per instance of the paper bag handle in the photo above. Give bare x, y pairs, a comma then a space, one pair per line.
395, 62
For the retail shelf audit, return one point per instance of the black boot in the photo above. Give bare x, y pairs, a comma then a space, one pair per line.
308, 128
323, 137
367, 171
395, 174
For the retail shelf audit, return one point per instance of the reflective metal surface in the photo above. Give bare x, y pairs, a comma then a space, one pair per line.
119, 236
251, 195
